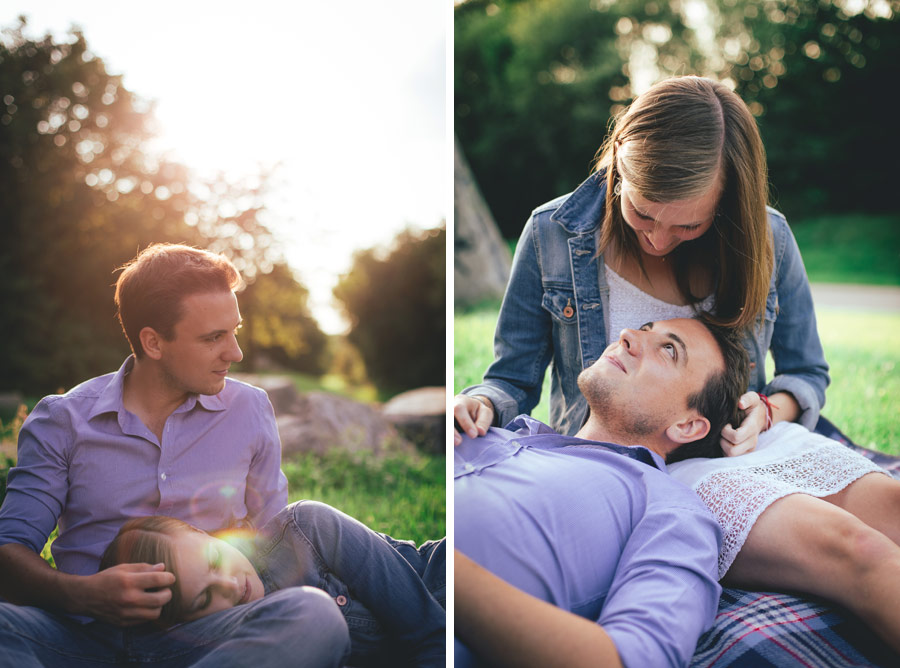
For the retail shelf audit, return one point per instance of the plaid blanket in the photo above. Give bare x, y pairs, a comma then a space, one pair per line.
757, 629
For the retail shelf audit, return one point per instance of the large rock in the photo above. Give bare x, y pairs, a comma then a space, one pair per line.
281, 390
420, 416
321, 422
318, 421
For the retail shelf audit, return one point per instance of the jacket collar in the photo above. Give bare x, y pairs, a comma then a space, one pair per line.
582, 212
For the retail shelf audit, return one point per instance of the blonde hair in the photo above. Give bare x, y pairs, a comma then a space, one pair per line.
685, 134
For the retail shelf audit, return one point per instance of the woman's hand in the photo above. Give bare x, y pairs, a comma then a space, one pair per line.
742, 440
473, 416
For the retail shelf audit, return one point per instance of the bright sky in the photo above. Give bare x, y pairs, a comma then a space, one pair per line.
348, 97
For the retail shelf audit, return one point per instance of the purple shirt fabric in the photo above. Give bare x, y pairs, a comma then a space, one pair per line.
88, 464
596, 529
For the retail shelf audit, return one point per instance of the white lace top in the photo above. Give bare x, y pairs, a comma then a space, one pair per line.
788, 459
631, 307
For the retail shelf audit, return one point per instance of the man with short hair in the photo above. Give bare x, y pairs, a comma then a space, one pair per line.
167, 434
581, 550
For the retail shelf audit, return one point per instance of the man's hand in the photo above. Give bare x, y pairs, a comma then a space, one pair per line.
473, 416
742, 440
125, 594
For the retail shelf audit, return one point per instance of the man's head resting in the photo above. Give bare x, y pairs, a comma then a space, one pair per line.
671, 385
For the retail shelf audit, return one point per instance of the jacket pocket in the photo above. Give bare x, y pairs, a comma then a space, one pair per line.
560, 304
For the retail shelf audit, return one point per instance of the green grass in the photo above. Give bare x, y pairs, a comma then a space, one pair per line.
862, 348
850, 248
400, 495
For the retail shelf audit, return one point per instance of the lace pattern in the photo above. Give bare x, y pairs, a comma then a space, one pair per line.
738, 496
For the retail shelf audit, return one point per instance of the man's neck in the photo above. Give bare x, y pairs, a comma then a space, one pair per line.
595, 430
147, 394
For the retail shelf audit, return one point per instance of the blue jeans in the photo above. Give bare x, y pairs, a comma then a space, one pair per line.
300, 626
391, 593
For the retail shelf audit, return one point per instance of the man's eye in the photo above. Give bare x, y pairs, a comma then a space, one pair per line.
671, 349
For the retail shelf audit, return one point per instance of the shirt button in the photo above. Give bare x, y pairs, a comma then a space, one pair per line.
162, 475
341, 600
469, 468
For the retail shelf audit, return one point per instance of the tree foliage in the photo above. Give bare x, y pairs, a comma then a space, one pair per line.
538, 82
80, 196
396, 305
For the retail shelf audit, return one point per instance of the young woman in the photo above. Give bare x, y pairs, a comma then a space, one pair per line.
391, 593
674, 221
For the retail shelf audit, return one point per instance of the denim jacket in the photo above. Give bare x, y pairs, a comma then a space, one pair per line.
553, 314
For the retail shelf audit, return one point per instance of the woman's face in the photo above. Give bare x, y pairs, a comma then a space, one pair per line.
212, 575
659, 227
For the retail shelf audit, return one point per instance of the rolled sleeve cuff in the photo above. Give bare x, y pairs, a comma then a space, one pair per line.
804, 394
505, 407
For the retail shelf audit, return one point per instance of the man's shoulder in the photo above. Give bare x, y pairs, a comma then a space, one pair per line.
237, 391
86, 391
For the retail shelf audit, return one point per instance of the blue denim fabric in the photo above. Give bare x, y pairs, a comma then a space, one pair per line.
300, 626
391, 593
556, 265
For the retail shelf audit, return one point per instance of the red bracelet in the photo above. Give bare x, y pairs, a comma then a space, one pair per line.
763, 398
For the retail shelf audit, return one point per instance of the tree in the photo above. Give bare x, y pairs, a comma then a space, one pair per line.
538, 82
80, 196
396, 304
279, 324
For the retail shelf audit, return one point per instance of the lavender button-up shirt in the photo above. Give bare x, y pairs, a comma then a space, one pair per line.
596, 529
88, 464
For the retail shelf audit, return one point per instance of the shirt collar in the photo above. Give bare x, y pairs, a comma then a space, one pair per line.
527, 425
110, 399
582, 211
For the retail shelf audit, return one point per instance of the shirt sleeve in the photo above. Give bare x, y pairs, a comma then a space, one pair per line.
800, 366
37, 485
523, 340
665, 591
267, 491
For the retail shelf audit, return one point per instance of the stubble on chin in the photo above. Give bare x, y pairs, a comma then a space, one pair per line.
601, 398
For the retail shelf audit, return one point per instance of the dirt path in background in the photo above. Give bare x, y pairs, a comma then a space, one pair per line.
857, 297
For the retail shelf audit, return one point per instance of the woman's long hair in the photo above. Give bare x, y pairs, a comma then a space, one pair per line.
146, 540
684, 134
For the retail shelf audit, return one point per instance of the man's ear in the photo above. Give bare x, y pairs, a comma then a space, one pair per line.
688, 430
151, 341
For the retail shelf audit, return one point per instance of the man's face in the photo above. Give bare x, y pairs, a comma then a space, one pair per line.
641, 383
197, 359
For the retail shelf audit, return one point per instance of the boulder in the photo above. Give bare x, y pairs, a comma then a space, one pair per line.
420, 416
320, 422
281, 390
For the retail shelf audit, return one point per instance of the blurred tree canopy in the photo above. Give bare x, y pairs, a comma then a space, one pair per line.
396, 305
538, 81
80, 197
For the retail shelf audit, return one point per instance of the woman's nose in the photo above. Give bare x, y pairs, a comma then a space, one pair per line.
229, 585
658, 238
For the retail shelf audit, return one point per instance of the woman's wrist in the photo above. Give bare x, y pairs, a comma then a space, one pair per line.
488, 404
784, 408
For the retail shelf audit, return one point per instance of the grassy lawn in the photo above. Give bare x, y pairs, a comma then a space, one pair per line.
403, 496
862, 348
